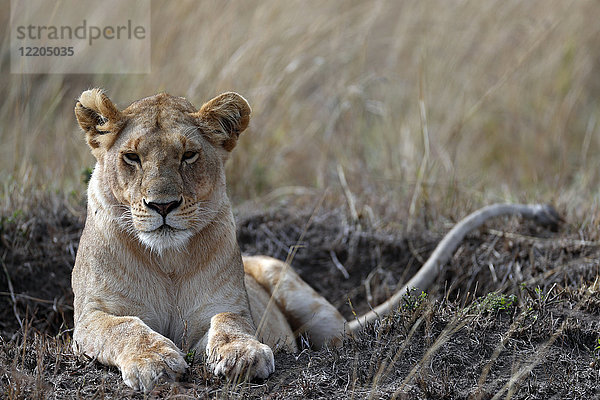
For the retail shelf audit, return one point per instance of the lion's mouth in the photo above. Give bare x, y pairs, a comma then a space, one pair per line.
164, 237
159, 228
166, 228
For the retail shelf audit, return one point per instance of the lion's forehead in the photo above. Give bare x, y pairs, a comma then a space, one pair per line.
159, 143
161, 101
161, 111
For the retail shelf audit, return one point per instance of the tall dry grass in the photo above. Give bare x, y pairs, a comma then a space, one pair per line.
455, 102
417, 103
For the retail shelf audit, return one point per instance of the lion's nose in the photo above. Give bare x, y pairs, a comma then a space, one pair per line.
163, 208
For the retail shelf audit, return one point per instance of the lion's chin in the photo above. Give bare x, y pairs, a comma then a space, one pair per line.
164, 238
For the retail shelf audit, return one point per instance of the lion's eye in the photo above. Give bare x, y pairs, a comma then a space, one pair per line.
131, 158
189, 157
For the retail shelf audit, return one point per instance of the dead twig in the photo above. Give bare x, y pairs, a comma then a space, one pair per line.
11, 290
552, 242
338, 264
348, 194
36, 299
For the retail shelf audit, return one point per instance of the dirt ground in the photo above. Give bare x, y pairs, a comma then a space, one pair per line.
515, 313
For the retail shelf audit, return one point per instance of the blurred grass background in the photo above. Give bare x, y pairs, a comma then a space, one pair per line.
448, 104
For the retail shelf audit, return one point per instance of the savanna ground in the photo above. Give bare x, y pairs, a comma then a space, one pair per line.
376, 126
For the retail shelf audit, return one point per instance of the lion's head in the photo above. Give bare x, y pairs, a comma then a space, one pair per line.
160, 162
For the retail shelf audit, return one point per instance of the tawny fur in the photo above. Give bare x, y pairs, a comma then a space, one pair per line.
151, 284
146, 285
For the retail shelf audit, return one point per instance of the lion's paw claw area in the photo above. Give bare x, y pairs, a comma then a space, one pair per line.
161, 362
247, 359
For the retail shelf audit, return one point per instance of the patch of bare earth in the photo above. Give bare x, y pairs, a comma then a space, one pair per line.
536, 338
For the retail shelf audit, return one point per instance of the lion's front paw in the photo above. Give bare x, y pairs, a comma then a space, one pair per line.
161, 359
246, 358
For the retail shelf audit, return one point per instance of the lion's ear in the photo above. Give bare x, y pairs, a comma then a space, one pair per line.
99, 118
226, 117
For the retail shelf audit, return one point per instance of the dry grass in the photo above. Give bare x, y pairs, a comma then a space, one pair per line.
410, 110
509, 90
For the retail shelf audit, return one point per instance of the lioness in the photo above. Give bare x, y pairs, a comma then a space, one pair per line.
158, 268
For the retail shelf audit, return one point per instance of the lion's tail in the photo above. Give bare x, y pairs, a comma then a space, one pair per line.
542, 214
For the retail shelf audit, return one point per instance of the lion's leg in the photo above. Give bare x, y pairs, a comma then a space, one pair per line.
273, 328
142, 355
306, 310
